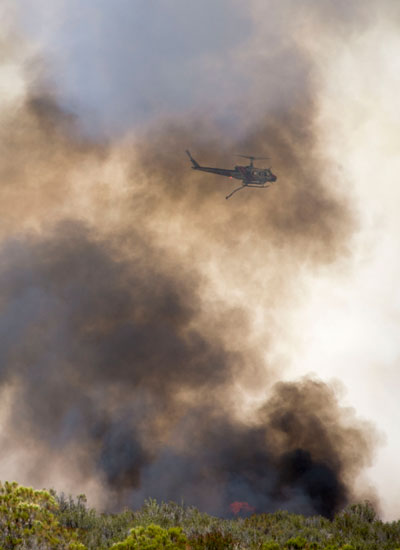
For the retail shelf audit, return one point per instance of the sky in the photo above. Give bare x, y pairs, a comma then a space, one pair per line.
99, 102
362, 312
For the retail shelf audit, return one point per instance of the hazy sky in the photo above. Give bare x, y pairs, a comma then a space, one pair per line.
175, 68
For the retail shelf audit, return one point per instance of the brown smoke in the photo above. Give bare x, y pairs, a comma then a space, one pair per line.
127, 288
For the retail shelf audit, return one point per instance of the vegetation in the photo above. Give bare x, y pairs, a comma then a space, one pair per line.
41, 520
153, 537
28, 520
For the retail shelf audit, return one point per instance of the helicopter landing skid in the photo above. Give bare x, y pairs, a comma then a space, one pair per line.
246, 185
235, 190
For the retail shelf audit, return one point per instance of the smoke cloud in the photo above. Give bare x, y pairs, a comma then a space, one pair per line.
109, 354
142, 313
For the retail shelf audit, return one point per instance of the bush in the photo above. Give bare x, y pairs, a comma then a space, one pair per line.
27, 520
297, 543
215, 540
153, 537
270, 545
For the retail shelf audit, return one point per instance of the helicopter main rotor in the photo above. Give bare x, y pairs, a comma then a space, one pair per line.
252, 159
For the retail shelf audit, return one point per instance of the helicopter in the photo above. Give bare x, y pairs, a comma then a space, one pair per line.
250, 175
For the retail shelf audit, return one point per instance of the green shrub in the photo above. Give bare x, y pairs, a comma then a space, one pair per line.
270, 545
215, 540
153, 537
296, 543
96, 531
28, 520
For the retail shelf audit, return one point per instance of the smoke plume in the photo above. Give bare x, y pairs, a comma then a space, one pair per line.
140, 309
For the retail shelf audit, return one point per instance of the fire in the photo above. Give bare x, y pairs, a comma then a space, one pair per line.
237, 507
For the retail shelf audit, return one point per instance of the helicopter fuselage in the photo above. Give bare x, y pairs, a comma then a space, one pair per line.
256, 176
249, 175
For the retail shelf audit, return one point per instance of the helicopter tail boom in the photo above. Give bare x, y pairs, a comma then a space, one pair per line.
194, 162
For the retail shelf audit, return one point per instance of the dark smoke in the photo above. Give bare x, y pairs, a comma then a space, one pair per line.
105, 351
115, 338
